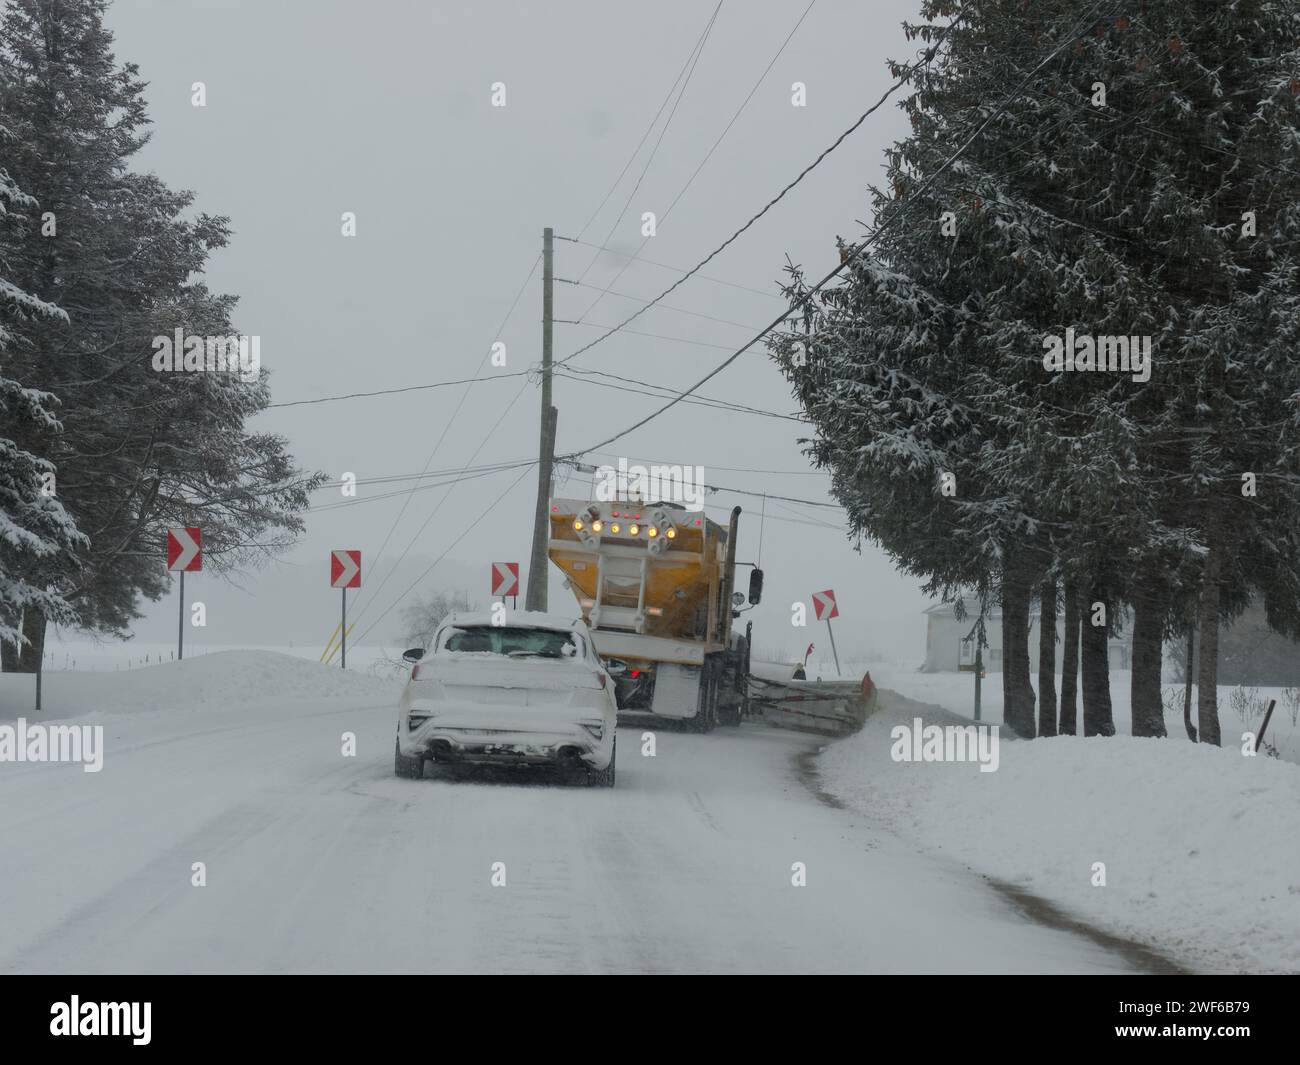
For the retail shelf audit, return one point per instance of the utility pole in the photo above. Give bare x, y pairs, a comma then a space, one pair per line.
535, 598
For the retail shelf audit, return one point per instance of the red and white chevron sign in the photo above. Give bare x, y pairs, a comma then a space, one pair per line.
505, 578
345, 569
824, 605
184, 550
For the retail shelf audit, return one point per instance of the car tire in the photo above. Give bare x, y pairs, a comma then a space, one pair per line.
411, 768
604, 778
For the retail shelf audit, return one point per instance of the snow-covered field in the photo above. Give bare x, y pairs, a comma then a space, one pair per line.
320, 861
111, 656
219, 679
1198, 842
955, 692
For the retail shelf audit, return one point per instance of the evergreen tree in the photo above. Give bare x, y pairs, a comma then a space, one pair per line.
140, 449
1107, 198
33, 523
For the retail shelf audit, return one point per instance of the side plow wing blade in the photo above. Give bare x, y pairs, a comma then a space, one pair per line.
828, 708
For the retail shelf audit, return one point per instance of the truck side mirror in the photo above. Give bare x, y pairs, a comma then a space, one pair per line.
755, 585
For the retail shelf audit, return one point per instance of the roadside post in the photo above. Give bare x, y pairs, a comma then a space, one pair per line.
184, 554
505, 581
345, 573
1268, 716
825, 607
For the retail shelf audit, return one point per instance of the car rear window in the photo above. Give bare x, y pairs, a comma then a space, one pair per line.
513, 642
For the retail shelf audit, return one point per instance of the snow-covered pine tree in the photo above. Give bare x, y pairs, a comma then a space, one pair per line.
1203, 105
1106, 199
33, 523
140, 450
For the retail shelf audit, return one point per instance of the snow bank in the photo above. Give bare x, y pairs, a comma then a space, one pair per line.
234, 678
1198, 842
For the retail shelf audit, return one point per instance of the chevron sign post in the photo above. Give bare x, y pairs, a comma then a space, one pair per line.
345, 573
184, 555
505, 580
825, 607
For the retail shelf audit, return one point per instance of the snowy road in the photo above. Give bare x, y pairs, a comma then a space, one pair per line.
320, 862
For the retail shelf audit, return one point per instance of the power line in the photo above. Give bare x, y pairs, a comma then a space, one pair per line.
438, 506
709, 155
861, 246
929, 55
394, 391
474, 472
442, 436
743, 104
518, 395
774, 517
360, 500
467, 530
662, 306
799, 514
637, 150
781, 473
694, 61
741, 469
706, 401
392, 477
652, 336
637, 258
769, 495
588, 468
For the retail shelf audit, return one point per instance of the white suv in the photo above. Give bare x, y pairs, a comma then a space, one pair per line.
523, 689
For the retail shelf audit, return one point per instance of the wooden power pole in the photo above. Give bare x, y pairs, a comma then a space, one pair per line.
535, 597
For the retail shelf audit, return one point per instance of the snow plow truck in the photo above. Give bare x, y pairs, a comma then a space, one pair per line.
657, 587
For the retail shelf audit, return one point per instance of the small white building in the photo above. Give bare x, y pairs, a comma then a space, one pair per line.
948, 651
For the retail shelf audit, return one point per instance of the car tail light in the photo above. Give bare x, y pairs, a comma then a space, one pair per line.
415, 671
636, 673
600, 677
596, 728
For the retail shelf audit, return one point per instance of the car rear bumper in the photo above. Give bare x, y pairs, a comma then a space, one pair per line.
474, 743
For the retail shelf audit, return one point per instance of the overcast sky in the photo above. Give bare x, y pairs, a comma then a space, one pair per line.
383, 108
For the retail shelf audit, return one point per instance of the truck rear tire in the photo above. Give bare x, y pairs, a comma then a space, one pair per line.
706, 712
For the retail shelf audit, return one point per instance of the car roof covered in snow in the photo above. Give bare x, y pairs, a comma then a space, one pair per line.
527, 619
